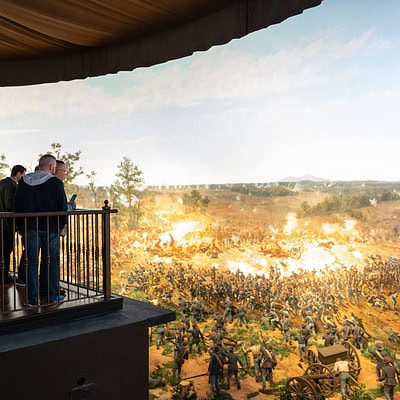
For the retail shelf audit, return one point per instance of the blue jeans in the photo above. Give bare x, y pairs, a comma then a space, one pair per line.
49, 250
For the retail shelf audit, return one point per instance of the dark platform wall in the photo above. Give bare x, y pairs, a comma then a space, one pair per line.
109, 364
104, 357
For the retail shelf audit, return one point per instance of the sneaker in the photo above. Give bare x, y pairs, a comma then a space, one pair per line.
58, 299
31, 305
20, 283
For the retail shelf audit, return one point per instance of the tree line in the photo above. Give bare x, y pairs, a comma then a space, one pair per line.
345, 203
123, 193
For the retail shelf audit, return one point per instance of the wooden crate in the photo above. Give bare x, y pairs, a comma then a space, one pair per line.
328, 355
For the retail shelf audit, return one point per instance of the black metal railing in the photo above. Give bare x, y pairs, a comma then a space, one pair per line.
77, 241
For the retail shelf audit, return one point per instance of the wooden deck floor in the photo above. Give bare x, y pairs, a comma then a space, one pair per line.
79, 302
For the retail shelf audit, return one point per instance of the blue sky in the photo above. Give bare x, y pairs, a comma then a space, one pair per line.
317, 94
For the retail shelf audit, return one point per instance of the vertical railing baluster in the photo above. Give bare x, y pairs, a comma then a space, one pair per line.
87, 250
96, 264
106, 252
97, 253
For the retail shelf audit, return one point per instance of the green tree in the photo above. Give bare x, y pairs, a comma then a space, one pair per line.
305, 209
125, 191
71, 160
195, 201
3, 166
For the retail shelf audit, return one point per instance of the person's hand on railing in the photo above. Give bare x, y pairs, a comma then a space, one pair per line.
63, 231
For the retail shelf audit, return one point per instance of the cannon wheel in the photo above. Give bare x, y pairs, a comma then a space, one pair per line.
300, 388
353, 357
327, 384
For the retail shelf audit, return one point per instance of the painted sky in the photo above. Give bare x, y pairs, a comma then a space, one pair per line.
317, 94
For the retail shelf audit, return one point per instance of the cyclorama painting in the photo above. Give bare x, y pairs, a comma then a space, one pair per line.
276, 281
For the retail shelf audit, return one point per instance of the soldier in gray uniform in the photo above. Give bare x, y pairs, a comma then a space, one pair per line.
389, 374
302, 341
197, 337
227, 316
241, 313
379, 353
286, 326
160, 335
358, 333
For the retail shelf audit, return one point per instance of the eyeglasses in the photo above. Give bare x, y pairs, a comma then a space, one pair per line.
61, 170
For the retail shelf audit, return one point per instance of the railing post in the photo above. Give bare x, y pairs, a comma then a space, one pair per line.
106, 252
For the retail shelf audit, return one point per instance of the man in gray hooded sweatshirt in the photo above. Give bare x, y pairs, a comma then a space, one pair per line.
41, 191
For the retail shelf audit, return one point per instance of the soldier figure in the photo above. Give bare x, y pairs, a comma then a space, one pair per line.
268, 363
197, 310
342, 367
179, 336
389, 374
181, 305
332, 328
181, 354
273, 320
346, 330
219, 323
379, 353
216, 338
197, 336
329, 338
160, 335
286, 326
358, 333
302, 341
241, 312
215, 370
233, 360
228, 311
255, 350
186, 321
310, 323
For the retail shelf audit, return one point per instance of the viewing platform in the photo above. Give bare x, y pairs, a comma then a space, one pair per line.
98, 337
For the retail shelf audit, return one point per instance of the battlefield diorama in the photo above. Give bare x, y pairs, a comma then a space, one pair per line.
284, 290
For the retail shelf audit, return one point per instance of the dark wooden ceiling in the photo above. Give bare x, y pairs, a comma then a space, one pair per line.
54, 40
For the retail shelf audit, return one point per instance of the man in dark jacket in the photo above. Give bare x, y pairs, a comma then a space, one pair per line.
8, 187
40, 191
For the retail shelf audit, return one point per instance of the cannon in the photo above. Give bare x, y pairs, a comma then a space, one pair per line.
319, 380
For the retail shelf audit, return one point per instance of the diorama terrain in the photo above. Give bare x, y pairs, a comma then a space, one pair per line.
256, 236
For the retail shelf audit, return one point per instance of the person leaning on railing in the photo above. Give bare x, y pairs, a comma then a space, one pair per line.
8, 187
40, 191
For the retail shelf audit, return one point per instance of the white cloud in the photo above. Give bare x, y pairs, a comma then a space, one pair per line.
316, 106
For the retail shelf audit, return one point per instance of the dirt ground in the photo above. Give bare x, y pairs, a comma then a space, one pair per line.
286, 368
373, 235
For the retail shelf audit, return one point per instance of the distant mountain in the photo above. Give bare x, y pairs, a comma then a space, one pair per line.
306, 177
